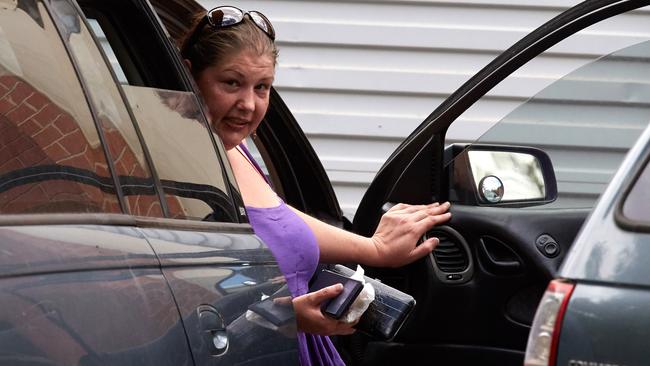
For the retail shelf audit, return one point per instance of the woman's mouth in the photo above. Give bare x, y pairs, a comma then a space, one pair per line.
235, 123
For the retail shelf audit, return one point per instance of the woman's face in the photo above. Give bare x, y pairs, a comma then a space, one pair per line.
237, 95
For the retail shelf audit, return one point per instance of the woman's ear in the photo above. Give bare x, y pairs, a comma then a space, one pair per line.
188, 63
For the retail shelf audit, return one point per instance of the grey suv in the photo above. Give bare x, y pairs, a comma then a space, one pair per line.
123, 239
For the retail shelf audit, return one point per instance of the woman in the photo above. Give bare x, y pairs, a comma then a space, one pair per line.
232, 56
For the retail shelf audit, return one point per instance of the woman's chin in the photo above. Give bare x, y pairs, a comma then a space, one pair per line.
230, 141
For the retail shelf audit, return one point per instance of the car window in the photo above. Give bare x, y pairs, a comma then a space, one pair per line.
51, 157
116, 126
586, 121
176, 136
182, 153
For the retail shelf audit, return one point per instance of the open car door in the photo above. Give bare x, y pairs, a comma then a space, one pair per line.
514, 215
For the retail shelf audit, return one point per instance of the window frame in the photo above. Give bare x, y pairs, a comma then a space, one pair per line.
184, 83
624, 222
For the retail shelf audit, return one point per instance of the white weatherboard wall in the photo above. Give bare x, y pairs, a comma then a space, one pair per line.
359, 76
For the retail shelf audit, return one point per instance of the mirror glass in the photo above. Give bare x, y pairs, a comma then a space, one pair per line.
520, 173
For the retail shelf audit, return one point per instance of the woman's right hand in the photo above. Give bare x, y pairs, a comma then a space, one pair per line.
311, 320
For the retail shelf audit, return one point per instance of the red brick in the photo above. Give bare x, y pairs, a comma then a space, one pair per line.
154, 210
74, 143
93, 158
9, 81
32, 156
20, 114
175, 208
94, 194
8, 134
56, 153
78, 161
47, 136
125, 162
116, 154
46, 115
113, 206
37, 101
138, 171
21, 92
6, 105
30, 127
116, 145
66, 124
19, 145
59, 186
132, 205
11, 165
10, 195
5, 156
102, 170
27, 202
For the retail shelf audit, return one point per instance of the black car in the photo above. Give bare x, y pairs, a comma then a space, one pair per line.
119, 246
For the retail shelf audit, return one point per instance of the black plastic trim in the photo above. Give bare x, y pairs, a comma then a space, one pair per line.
143, 144
458, 277
122, 220
86, 90
620, 219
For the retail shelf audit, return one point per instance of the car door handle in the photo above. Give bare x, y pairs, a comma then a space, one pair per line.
213, 330
499, 257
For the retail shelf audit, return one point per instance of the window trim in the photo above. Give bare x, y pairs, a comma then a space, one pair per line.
186, 85
67, 219
621, 220
60, 26
145, 149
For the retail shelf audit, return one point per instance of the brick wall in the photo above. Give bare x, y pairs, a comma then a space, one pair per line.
34, 131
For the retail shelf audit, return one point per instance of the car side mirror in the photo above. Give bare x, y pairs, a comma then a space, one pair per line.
490, 175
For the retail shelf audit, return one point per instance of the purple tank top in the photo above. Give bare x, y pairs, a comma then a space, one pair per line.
295, 248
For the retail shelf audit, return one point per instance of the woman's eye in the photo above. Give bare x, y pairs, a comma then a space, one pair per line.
231, 82
263, 87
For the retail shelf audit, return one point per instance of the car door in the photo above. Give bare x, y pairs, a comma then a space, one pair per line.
478, 291
219, 272
480, 311
79, 283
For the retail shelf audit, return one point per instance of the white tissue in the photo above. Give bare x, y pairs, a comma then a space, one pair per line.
361, 303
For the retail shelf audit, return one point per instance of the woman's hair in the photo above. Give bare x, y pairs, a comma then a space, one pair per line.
212, 45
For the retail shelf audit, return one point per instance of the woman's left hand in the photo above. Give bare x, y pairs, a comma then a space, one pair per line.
401, 227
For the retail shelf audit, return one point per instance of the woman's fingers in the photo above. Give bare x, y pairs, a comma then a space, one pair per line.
325, 293
424, 248
344, 329
403, 208
284, 300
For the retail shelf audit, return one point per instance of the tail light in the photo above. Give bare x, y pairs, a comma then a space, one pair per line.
545, 332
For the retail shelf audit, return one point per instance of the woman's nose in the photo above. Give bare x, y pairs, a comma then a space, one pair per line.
246, 100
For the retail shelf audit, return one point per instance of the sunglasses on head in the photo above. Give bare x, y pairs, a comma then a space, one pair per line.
228, 16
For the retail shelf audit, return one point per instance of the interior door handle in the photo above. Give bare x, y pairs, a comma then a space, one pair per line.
499, 257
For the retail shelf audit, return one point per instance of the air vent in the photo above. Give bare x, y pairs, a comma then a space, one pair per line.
449, 255
451, 259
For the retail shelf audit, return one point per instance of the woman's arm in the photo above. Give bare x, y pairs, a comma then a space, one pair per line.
393, 244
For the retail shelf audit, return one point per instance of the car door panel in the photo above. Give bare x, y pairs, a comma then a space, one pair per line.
70, 300
489, 315
221, 275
